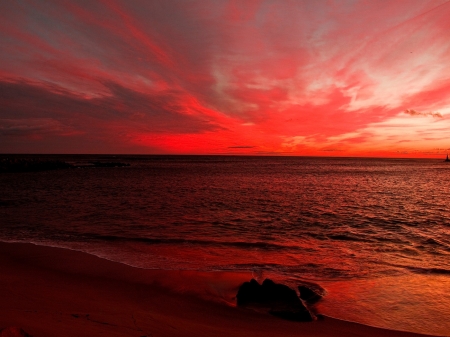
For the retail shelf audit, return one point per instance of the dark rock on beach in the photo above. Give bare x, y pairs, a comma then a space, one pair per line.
278, 299
13, 331
279, 294
249, 293
311, 294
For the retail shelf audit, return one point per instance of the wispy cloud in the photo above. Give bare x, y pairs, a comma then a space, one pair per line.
242, 147
32, 126
417, 113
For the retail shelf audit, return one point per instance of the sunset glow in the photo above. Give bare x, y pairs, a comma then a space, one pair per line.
321, 78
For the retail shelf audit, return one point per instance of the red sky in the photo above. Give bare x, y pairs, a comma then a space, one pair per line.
326, 78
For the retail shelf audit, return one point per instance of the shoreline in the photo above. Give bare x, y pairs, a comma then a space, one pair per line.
50, 291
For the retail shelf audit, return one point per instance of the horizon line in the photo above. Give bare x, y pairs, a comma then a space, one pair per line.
219, 155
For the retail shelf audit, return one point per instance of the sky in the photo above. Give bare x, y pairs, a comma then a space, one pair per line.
265, 77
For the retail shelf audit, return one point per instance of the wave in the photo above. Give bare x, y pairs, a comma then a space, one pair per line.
348, 237
307, 270
199, 242
418, 270
390, 239
435, 242
435, 271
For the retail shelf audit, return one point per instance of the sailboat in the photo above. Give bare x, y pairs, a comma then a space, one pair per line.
446, 159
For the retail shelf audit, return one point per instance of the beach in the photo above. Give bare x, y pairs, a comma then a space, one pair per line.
51, 291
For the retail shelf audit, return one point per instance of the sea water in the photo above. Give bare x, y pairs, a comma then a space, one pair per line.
373, 232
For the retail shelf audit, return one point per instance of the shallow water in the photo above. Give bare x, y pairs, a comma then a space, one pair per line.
374, 232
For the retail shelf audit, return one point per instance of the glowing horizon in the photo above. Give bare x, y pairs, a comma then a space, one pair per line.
308, 78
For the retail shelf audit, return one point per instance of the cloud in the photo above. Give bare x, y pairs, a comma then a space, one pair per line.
31, 126
417, 113
332, 149
242, 147
167, 111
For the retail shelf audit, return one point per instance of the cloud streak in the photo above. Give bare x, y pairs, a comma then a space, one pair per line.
412, 112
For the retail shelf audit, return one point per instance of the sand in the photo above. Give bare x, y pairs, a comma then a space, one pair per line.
58, 292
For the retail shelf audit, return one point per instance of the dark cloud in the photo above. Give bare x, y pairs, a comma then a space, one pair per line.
332, 150
30, 126
417, 113
163, 112
242, 147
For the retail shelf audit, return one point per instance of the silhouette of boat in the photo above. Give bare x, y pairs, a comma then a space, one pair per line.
446, 159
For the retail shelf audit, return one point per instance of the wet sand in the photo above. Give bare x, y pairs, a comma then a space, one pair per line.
57, 292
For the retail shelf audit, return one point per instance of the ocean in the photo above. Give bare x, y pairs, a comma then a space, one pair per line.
373, 232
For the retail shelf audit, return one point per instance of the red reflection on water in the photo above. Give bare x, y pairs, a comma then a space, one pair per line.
416, 303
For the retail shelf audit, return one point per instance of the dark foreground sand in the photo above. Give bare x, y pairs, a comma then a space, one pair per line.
57, 292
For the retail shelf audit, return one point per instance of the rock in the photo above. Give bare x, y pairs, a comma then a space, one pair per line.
13, 331
278, 299
275, 293
309, 294
299, 314
249, 293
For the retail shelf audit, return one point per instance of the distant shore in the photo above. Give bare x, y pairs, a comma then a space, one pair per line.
57, 292
17, 163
